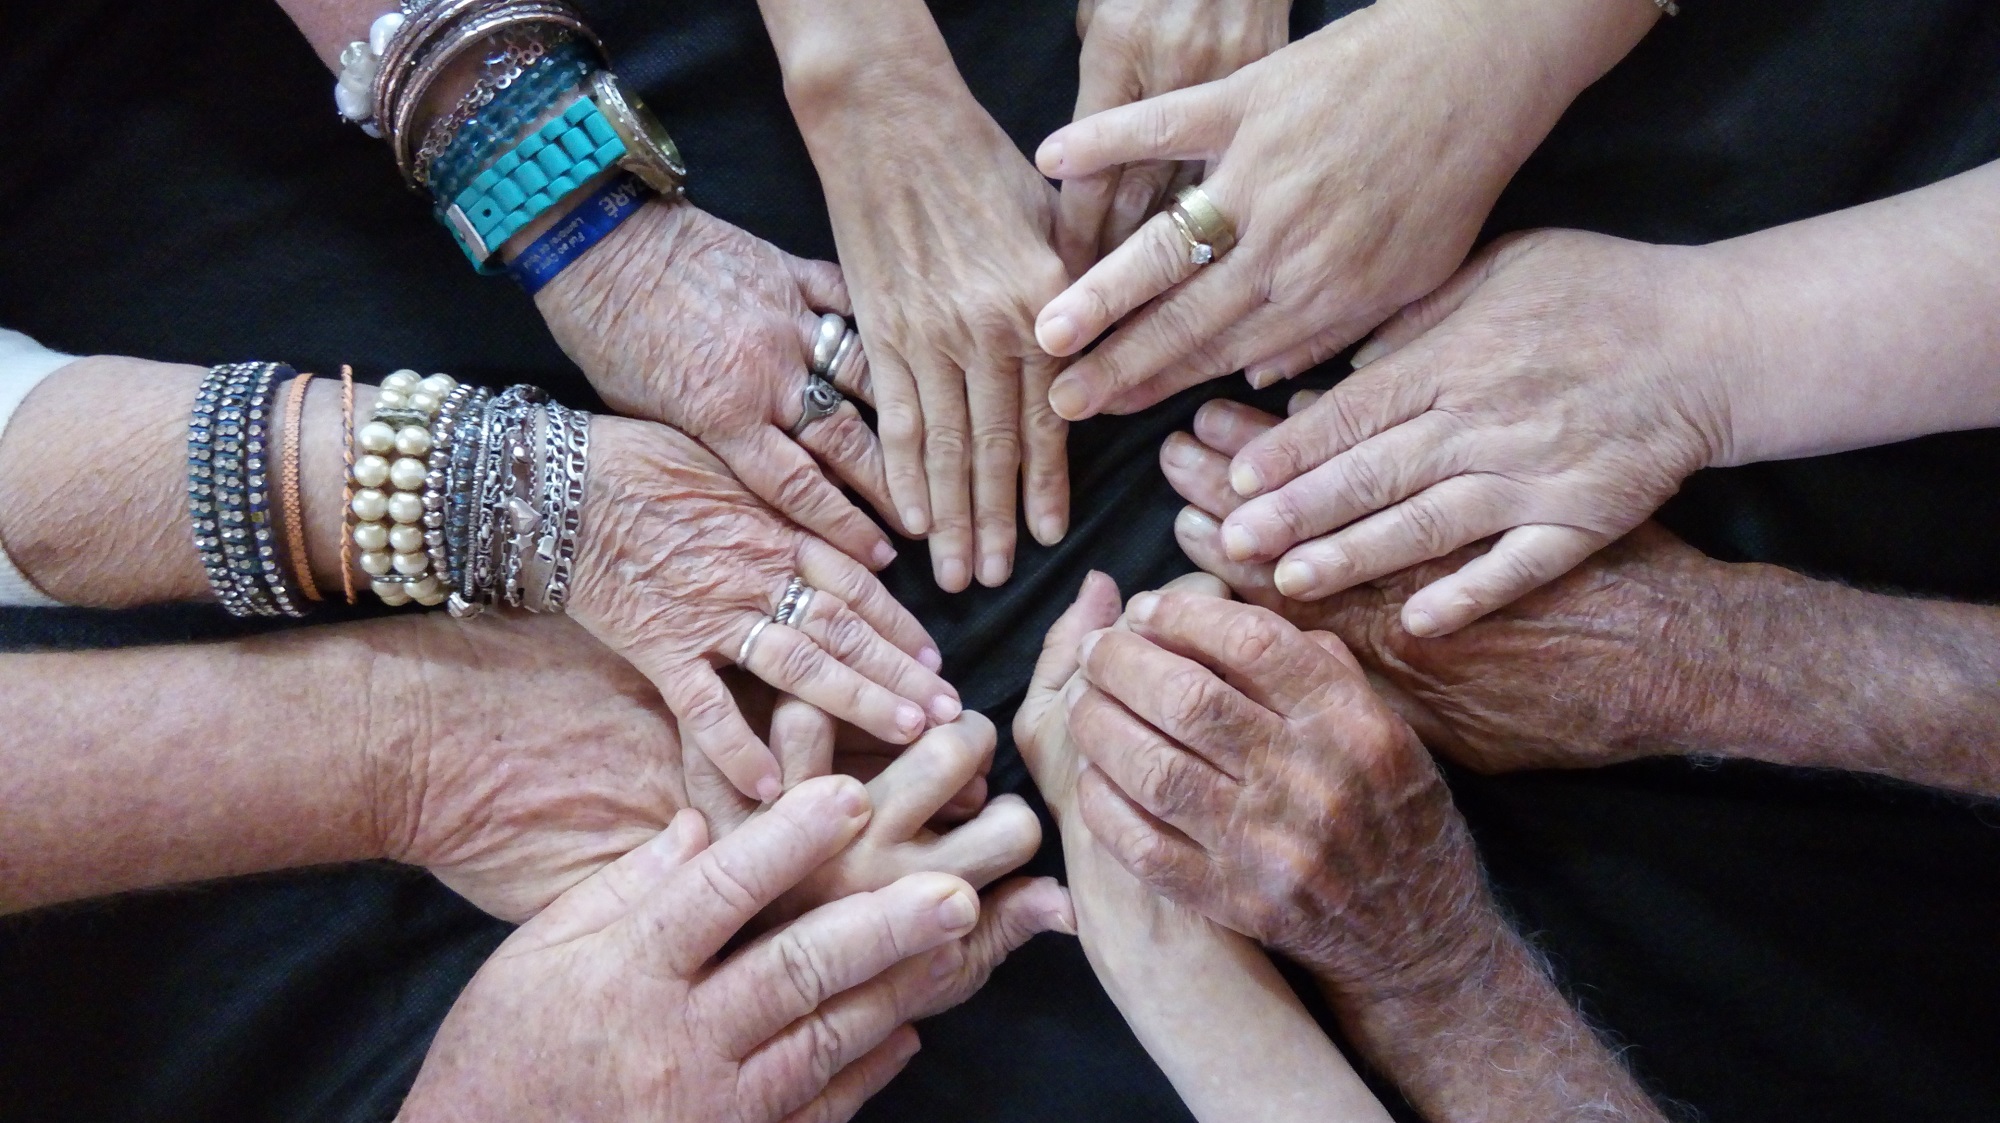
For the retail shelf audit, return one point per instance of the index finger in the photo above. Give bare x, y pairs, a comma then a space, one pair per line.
1190, 124
1184, 700
1259, 651
688, 920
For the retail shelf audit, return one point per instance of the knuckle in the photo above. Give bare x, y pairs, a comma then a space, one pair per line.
999, 447
805, 970
846, 633
1194, 705
801, 487
1428, 525
899, 423
1165, 785
824, 1050
1250, 639
727, 886
801, 662
1366, 482
945, 445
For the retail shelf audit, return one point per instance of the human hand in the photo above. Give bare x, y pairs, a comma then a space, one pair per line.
682, 318
522, 756
676, 563
1357, 165
1630, 654
945, 233
912, 793
1554, 393
1137, 49
613, 1004
1246, 770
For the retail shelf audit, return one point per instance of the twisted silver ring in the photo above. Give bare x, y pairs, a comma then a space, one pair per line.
819, 399
788, 601
800, 607
826, 341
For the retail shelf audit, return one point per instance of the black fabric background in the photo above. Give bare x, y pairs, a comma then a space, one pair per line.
1769, 945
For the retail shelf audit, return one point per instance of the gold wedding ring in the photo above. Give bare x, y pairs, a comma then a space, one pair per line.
1208, 233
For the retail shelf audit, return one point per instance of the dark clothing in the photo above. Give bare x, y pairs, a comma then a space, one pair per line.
1772, 945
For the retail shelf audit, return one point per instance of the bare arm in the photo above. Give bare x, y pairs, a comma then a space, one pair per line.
1206, 1002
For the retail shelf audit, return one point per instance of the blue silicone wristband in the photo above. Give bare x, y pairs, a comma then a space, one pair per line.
584, 227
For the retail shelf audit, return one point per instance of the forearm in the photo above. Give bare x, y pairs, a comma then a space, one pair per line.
93, 482
1207, 1004
1865, 326
1804, 672
1498, 1043
888, 52
155, 766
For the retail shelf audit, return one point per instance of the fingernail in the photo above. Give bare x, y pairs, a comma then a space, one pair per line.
1260, 377
1057, 334
1074, 691
1050, 157
1301, 401
993, 570
1142, 607
914, 520
883, 555
1294, 578
945, 708
1419, 623
1245, 479
1089, 645
909, 719
957, 912
852, 802
930, 658
947, 961
1059, 920
1180, 451
770, 788
1238, 543
1193, 522
1049, 530
1068, 399
1369, 352
951, 575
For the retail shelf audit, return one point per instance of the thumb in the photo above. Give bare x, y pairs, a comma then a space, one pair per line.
604, 897
1011, 915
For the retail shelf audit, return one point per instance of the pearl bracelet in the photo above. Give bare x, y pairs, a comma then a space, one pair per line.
391, 471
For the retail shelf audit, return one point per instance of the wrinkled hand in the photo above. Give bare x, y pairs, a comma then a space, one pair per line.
613, 1005
1137, 49
528, 755
681, 318
676, 563
911, 794
945, 233
1617, 659
1555, 393
1247, 770
1357, 165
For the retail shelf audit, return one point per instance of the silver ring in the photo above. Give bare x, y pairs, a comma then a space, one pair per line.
750, 641
846, 355
826, 341
788, 600
797, 615
819, 399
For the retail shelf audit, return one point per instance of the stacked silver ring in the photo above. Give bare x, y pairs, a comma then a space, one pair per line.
834, 344
793, 604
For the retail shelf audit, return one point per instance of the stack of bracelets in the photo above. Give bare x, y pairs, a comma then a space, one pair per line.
456, 494
541, 124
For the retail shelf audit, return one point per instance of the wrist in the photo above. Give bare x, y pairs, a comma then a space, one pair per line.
885, 59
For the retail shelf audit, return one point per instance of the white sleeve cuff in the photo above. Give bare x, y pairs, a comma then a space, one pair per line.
23, 365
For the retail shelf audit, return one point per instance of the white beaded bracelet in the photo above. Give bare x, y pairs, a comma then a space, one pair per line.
391, 466
353, 93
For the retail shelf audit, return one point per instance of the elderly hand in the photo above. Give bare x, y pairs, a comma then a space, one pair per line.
676, 563
613, 1004
944, 230
682, 318
1554, 393
911, 795
1247, 770
1620, 658
1137, 49
1357, 165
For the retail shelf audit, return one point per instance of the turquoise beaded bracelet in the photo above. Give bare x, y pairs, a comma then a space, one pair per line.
533, 176
563, 69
